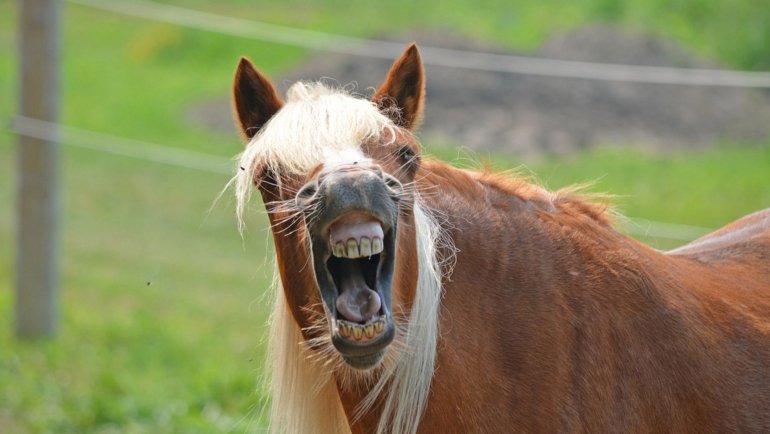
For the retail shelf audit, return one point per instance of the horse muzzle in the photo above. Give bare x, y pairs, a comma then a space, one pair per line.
351, 214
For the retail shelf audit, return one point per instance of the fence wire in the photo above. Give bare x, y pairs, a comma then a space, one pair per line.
122, 146
463, 59
182, 158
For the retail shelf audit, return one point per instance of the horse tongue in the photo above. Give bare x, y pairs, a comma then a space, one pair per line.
356, 301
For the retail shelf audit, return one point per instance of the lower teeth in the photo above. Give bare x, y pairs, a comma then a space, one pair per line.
361, 331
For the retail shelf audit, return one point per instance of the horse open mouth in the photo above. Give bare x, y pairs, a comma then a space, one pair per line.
355, 279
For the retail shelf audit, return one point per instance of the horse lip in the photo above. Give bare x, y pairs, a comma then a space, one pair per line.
353, 349
364, 362
325, 229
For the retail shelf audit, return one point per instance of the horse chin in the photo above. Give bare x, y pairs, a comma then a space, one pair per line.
364, 362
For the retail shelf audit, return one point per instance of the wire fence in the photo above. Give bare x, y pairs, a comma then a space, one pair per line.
464, 59
122, 146
172, 156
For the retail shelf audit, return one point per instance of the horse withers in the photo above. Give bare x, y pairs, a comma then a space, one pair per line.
412, 296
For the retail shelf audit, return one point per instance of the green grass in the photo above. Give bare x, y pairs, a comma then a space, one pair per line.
163, 308
163, 305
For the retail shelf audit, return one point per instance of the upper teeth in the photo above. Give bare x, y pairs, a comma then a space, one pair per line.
361, 248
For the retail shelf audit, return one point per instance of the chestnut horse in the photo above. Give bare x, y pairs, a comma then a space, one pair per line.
412, 296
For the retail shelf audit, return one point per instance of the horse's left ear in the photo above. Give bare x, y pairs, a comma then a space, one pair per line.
256, 100
402, 95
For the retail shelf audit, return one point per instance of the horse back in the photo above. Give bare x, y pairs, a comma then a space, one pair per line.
730, 267
744, 240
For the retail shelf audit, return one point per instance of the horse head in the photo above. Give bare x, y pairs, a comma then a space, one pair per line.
336, 174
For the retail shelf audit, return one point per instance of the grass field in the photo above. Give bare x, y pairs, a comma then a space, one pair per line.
163, 303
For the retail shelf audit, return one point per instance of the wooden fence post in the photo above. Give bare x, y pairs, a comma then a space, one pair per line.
37, 254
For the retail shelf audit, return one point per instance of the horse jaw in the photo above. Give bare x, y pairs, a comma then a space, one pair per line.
353, 225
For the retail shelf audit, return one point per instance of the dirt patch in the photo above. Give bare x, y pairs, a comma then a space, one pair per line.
530, 115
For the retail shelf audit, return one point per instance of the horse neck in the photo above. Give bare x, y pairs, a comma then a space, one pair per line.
518, 238
538, 278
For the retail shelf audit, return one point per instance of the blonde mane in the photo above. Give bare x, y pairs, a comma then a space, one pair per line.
316, 122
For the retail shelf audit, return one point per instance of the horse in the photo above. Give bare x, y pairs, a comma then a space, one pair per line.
413, 296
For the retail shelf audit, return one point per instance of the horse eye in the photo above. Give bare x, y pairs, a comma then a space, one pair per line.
406, 153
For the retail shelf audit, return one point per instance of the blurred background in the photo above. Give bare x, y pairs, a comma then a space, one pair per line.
163, 304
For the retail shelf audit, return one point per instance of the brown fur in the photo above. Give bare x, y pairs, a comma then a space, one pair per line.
567, 325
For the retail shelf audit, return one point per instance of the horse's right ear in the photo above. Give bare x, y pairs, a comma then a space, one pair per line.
255, 98
402, 95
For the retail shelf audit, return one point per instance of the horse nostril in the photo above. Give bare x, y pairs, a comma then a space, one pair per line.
393, 183
307, 191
